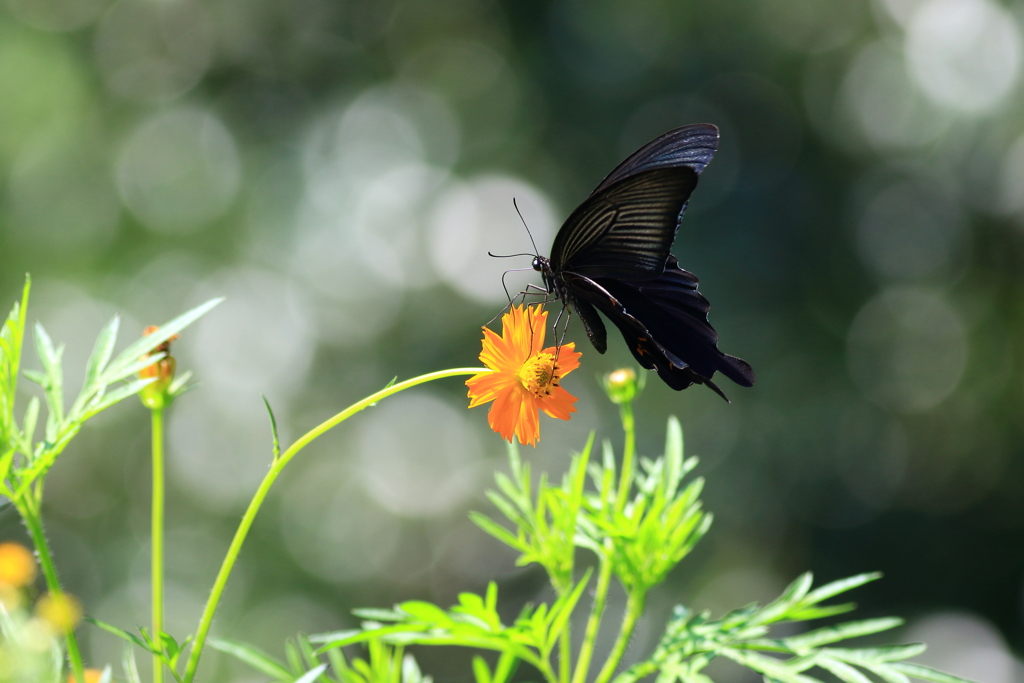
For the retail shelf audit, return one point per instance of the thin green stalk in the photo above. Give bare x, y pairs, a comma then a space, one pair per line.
30, 514
628, 454
157, 538
634, 609
565, 653
206, 620
604, 577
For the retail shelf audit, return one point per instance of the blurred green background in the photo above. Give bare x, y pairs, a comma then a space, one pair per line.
339, 168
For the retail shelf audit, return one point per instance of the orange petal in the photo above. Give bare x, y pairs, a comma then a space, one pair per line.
505, 412
486, 386
528, 425
559, 404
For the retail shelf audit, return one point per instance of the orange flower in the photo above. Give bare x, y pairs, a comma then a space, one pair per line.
525, 378
91, 676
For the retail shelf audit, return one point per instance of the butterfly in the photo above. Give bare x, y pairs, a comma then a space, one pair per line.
612, 255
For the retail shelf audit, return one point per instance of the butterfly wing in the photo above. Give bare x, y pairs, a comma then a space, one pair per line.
625, 228
692, 146
664, 322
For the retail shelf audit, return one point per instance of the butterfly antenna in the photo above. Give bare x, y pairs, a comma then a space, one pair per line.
536, 252
510, 256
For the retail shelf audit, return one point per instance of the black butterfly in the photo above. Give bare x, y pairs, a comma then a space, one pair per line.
612, 255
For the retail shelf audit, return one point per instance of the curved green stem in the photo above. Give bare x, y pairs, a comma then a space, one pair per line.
628, 454
29, 510
604, 577
206, 621
157, 538
634, 609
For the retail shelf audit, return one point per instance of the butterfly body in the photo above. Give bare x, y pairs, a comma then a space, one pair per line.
613, 255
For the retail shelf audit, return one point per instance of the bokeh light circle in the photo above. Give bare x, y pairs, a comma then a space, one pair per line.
61, 198
419, 456
179, 171
477, 216
965, 645
965, 54
332, 528
906, 349
887, 106
154, 51
257, 341
910, 229
57, 15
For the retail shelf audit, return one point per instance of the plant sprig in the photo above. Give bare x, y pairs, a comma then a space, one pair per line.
638, 532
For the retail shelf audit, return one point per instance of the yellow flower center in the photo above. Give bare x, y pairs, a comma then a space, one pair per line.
538, 374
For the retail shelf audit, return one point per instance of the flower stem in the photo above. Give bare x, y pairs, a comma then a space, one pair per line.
564, 653
628, 454
157, 538
634, 609
29, 510
594, 622
206, 620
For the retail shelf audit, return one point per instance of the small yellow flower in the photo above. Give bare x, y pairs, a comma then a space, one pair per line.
17, 566
91, 676
154, 395
61, 612
525, 377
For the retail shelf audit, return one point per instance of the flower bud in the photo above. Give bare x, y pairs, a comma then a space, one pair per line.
155, 395
622, 386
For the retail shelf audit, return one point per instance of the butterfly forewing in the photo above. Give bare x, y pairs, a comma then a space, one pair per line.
691, 146
626, 230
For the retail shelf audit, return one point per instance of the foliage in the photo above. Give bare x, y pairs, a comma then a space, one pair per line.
386, 664
23, 460
637, 539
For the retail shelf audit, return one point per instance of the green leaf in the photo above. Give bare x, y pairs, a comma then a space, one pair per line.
876, 655
820, 612
673, 456
101, 353
130, 369
311, 675
117, 395
841, 586
833, 634
843, 671
498, 531
376, 614
144, 345
481, 671
927, 673
131, 670
768, 666
28, 424
425, 611
53, 384
121, 633
255, 658
35, 376
273, 428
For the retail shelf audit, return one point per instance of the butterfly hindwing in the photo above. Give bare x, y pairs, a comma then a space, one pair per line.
664, 323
